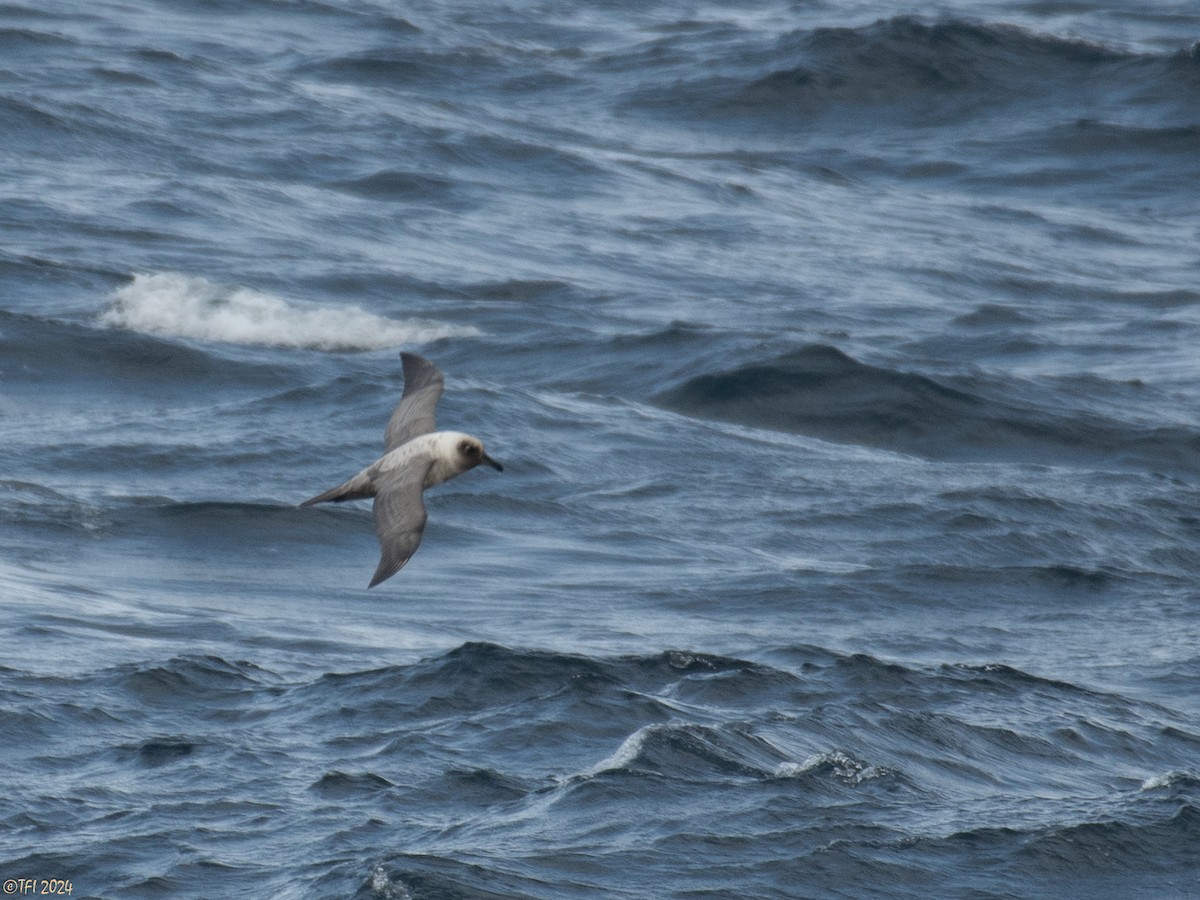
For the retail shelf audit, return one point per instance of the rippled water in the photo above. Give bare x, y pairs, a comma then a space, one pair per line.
842, 359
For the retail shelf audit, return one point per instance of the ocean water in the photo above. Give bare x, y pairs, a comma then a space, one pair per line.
844, 360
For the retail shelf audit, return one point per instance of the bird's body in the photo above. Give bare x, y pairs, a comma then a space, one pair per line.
435, 454
417, 457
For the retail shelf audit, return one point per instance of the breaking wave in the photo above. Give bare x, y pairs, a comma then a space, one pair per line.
175, 305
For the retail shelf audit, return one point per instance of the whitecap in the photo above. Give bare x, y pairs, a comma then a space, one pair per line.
385, 888
795, 563
175, 305
625, 755
841, 765
1166, 780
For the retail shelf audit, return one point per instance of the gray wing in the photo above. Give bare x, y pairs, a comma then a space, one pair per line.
399, 518
414, 415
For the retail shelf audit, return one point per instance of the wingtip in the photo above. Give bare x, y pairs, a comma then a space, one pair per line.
414, 360
385, 570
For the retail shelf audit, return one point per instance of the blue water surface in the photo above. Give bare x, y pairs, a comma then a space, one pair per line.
843, 361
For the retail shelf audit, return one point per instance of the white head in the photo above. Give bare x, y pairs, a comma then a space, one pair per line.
471, 453
455, 453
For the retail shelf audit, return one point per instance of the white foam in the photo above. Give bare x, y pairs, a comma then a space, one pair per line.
175, 305
840, 765
626, 753
794, 563
1166, 780
383, 887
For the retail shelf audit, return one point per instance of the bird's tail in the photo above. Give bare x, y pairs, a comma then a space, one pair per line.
357, 488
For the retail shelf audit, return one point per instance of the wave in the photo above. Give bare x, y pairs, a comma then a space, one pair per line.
734, 705
398, 186
537, 166
347, 786
908, 69
834, 764
17, 39
189, 679
816, 760
414, 876
1089, 137
563, 687
820, 391
1088, 859
690, 752
54, 354
174, 305
156, 752
900, 58
1174, 783
693, 752
407, 65
1100, 848
27, 505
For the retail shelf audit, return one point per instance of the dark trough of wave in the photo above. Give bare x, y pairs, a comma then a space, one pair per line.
941, 71
820, 391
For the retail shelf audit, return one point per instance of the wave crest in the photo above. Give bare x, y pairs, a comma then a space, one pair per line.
175, 305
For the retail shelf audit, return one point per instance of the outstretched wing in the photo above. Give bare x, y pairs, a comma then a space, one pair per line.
399, 517
414, 415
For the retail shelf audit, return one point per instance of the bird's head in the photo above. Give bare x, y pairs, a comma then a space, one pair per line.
471, 452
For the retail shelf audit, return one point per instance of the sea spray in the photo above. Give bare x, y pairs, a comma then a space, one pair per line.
176, 305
